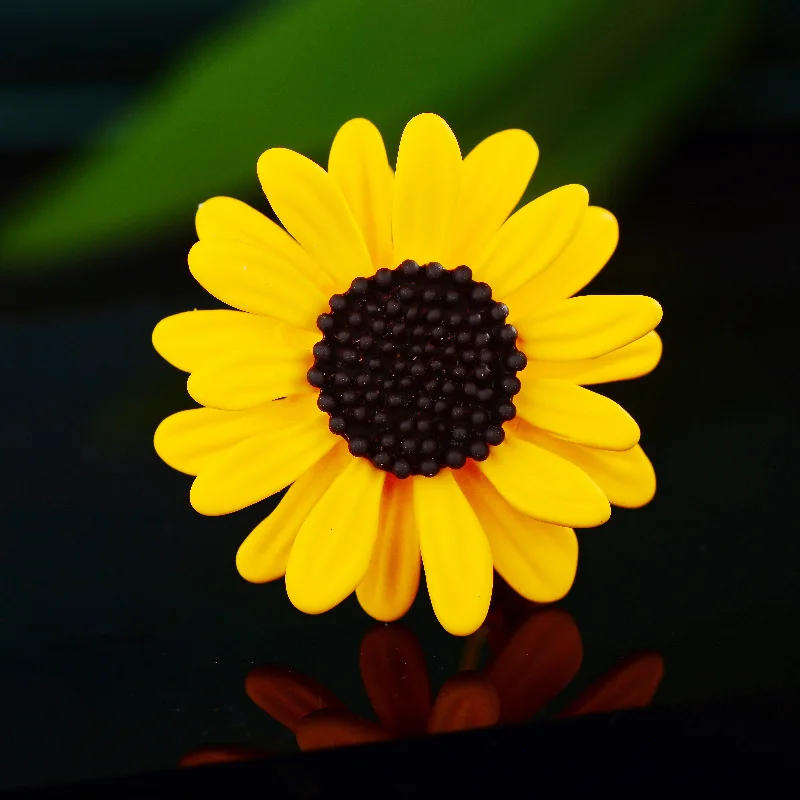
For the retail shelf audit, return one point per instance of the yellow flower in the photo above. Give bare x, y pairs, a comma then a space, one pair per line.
410, 358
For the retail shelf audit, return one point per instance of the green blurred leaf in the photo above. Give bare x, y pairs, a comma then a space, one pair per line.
594, 80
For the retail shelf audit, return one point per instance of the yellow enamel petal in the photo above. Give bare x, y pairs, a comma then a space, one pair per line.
248, 277
531, 239
576, 414
392, 580
264, 554
334, 545
587, 327
227, 218
627, 478
244, 379
538, 560
579, 262
189, 441
190, 339
311, 207
543, 485
426, 190
631, 361
262, 465
360, 168
455, 553
494, 177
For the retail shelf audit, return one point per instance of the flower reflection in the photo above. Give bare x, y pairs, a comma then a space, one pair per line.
533, 655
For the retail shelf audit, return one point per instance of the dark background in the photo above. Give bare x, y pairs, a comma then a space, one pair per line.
126, 632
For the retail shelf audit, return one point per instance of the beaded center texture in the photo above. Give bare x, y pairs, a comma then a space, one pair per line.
417, 368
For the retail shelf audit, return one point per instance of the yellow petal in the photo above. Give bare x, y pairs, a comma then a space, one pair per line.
531, 239
392, 580
244, 378
494, 177
311, 207
359, 167
631, 361
576, 414
627, 478
227, 218
189, 441
537, 559
455, 553
264, 554
579, 262
587, 327
262, 465
190, 339
250, 278
426, 190
334, 545
542, 485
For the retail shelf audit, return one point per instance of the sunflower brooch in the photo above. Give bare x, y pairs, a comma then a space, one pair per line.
407, 353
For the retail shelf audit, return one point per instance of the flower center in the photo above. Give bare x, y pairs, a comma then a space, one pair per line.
417, 367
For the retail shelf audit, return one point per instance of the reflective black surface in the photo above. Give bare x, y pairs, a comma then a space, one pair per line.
128, 637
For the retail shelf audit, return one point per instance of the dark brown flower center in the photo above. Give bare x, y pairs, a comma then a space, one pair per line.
417, 368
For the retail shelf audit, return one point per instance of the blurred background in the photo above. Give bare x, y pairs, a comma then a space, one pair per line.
125, 632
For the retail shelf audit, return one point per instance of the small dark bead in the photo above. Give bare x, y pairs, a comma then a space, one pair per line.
326, 402
434, 315
494, 434
338, 302
415, 350
383, 277
481, 293
359, 414
478, 417
429, 295
438, 332
349, 356
507, 411
365, 342
424, 402
337, 424
322, 351
516, 361
482, 339
460, 433
435, 364
399, 329
406, 383
380, 418
450, 350
372, 395
406, 293
429, 468
409, 268
455, 458
412, 313
470, 389
439, 406
468, 356
359, 286
408, 446
341, 379
432, 385
428, 447
399, 366
463, 337
401, 468
462, 274
382, 460
325, 322
343, 337
459, 372
388, 440
486, 356
418, 369
485, 394
423, 425
393, 308
448, 387
374, 363
406, 426
451, 296
483, 373
358, 446
418, 332
430, 347
355, 319
349, 397
387, 347
434, 270
394, 401
316, 377
511, 385
508, 333
474, 319
479, 451
455, 319
498, 312
371, 307
377, 326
